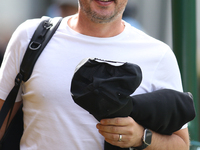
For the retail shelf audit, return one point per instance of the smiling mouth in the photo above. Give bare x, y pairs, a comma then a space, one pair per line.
105, 0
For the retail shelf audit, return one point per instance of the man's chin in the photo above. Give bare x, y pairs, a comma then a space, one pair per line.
102, 19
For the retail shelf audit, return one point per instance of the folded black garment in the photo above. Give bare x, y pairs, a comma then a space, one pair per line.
101, 87
104, 89
164, 111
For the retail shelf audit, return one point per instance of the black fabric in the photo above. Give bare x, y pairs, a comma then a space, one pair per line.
164, 111
108, 146
13, 134
9, 103
101, 88
15, 130
104, 90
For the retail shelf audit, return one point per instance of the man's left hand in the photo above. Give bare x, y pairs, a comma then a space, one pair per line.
131, 132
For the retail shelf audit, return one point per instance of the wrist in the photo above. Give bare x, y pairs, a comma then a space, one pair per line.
139, 142
146, 140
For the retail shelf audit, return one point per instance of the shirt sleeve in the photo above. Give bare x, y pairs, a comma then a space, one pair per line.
13, 57
167, 74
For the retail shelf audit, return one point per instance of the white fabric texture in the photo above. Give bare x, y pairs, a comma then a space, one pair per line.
51, 118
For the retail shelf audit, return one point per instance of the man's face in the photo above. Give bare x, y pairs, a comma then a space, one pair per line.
102, 11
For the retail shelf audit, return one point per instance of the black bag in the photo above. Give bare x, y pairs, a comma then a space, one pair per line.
42, 35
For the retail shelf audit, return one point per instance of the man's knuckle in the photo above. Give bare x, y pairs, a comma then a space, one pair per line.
114, 129
130, 132
113, 136
118, 121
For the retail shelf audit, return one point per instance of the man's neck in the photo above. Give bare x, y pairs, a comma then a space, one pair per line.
90, 28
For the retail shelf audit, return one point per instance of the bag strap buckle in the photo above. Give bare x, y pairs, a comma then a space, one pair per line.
18, 79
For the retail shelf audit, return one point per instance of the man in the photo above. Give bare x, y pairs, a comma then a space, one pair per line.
51, 119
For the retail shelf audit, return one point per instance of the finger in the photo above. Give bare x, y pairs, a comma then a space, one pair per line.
112, 129
116, 121
110, 136
114, 139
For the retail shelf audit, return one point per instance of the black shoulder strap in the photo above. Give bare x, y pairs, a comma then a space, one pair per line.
40, 38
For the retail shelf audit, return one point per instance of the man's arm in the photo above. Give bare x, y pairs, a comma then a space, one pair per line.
132, 134
16, 107
177, 141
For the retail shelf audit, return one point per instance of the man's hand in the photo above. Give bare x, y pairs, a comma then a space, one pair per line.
130, 131
132, 134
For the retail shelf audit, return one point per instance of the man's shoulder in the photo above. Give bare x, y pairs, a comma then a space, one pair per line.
141, 37
29, 26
